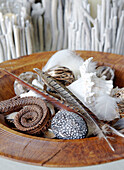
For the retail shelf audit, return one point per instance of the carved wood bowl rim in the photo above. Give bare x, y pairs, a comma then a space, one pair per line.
57, 152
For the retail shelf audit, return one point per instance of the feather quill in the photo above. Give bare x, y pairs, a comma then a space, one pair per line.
119, 124
114, 131
73, 101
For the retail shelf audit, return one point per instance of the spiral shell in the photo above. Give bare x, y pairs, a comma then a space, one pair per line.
33, 116
31, 119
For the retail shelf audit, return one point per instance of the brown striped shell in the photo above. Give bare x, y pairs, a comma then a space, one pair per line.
62, 74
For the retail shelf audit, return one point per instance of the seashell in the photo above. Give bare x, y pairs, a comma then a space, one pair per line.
66, 58
49, 134
31, 92
121, 108
105, 71
10, 118
33, 116
120, 93
63, 74
26, 76
68, 125
51, 108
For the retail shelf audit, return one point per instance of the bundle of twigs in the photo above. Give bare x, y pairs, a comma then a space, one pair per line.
27, 27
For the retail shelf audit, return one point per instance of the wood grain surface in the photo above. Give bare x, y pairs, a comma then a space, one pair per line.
56, 152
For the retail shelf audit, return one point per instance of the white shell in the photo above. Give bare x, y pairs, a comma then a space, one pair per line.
26, 76
30, 93
33, 93
88, 88
49, 134
10, 117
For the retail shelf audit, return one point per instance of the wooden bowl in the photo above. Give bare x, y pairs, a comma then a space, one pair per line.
56, 152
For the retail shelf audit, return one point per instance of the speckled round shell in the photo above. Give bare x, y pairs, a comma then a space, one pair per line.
68, 125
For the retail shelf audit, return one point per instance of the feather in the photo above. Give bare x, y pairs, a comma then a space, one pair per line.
73, 101
119, 124
114, 131
39, 91
106, 108
89, 65
66, 58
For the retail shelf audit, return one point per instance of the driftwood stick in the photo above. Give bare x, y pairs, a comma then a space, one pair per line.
93, 39
66, 25
40, 28
107, 40
119, 32
47, 24
83, 38
88, 33
2, 58
78, 37
107, 12
28, 40
70, 28
35, 23
114, 33
60, 26
103, 18
87, 15
96, 35
17, 40
3, 43
23, 36
54, 24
